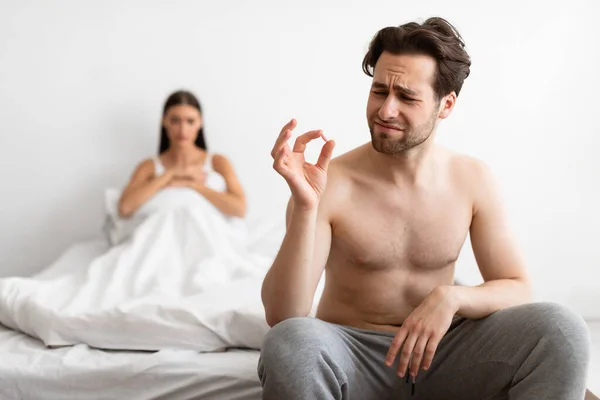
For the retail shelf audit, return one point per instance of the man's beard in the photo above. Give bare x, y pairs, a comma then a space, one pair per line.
411, 137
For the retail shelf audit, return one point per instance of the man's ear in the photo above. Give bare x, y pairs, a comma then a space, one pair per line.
447, 105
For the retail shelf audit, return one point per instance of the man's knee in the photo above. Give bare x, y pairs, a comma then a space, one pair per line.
289, 341
554, 319
565, 333
297, 362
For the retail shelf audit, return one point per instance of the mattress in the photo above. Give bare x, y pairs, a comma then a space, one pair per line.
29, 371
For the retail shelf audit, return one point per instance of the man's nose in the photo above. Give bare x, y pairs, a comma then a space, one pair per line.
390, 108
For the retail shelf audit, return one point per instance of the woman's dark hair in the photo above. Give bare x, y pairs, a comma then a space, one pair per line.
435, 37
178, 98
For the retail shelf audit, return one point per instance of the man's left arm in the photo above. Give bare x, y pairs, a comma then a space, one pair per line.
505, 284
506, 281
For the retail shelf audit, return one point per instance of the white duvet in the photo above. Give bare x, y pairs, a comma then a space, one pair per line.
182, 277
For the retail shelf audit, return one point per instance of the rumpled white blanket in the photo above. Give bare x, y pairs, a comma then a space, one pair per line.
185, 279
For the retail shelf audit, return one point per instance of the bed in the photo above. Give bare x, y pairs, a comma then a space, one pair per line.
30, 371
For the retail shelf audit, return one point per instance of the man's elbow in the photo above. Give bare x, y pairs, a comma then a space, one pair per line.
521, 291
277, 311
273, 318
527, 289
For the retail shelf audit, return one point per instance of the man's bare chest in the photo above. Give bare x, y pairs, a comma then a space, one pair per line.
382, 236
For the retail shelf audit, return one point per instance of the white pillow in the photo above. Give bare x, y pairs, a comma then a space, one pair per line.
111, 202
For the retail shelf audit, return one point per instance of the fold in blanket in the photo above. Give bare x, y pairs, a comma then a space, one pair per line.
184, 279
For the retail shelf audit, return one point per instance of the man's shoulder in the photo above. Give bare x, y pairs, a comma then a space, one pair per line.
347, 158
346, 166
341, 174
466, 167
473, 176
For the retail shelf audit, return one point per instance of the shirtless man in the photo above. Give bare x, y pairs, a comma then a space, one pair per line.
386, 222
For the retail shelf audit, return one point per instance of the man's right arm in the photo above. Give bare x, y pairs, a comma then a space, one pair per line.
289, 287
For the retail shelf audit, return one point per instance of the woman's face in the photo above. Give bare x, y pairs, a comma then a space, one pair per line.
182, 123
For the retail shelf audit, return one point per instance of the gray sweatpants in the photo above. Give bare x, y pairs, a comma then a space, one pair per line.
534, 351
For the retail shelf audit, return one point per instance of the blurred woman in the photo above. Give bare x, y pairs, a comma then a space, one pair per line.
183, 161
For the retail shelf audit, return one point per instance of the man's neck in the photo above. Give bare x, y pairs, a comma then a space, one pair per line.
412, 167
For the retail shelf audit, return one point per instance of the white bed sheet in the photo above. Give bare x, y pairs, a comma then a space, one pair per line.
30, 371
184, 279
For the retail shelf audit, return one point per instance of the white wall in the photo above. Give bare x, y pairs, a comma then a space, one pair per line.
82, 85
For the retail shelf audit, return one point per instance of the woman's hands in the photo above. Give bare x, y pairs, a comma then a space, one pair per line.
192, 177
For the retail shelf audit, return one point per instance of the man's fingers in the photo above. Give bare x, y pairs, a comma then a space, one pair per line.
406, 352
289, 126
430, 352
279, 164
417, 355
395, 346
284, 135
302, 140
281, 141
325, 156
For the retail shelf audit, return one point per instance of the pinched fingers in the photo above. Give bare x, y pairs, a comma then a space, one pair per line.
284, 135
281, 161
303, 140
325, 156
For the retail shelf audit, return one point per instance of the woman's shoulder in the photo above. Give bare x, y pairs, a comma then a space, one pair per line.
147, 166
219, 162
150, 162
